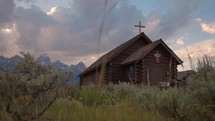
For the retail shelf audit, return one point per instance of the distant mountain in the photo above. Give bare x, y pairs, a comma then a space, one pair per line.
60, 66
44, 59
77, 69
8, 63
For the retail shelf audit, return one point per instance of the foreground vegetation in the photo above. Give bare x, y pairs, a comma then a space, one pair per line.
33, 92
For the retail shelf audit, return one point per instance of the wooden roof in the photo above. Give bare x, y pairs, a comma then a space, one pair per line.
183, 75
139, 54
113, 53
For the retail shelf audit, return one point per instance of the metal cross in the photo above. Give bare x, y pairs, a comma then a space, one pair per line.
157, 56
140, 26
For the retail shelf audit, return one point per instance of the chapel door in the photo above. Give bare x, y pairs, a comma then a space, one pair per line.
156, 74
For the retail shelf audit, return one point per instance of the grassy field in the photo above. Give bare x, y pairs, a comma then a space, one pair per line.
24, 97
125, 102
65, 110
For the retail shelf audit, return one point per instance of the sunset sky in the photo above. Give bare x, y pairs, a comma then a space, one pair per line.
68, 30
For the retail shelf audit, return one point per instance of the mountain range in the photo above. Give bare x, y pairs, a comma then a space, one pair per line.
44, 59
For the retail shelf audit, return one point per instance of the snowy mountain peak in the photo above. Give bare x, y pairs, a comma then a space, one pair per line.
44, 59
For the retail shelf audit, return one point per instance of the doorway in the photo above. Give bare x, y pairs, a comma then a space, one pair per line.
156, 74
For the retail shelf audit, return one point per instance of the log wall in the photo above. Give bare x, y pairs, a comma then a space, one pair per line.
166, 62
119, 73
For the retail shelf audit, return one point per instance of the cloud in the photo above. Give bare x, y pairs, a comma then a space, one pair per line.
180, 41
76, 29
6, 11
29, 23
152, 25
26, 1
206, 27
71, 30
69, 59
175, 15
8, 37
72, 33
209, 28
52, 11
197, 50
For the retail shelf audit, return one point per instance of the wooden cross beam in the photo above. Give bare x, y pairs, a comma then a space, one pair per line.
140, 26
157, 56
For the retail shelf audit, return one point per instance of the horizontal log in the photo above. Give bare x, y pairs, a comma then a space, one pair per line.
153, 59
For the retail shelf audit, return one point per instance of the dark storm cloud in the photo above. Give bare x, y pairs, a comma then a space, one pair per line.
26, 1
29, 23
118, 27
6, 10
6, 17
78, 27
178, 16
3, 44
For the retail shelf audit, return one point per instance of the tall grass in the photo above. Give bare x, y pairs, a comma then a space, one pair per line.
125, 102
65, 110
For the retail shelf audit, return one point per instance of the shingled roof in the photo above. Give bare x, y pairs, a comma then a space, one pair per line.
113, 53
136, 56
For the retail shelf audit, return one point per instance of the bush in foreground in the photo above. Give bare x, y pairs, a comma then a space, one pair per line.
28, 92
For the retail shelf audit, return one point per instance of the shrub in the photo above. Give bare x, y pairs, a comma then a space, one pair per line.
29, 91
89, 96
147, 97
174, 103
120, 92
202, 91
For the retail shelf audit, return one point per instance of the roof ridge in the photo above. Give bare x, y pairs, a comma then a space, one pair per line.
146, 49
134, 56
111, 54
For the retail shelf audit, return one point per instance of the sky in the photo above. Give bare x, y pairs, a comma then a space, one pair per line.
83, 30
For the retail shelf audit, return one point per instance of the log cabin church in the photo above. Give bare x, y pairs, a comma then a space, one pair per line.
137, 61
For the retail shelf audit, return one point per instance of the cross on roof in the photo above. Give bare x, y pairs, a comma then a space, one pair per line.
140, 26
